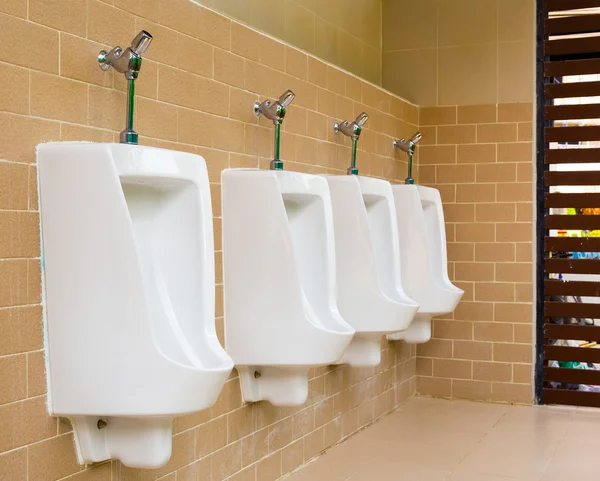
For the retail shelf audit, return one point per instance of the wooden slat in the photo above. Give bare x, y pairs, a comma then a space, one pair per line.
557, 200
566, 112
572, 266
572, 24
562, 5
572, 134
577, 53
569, 46
572, 309
572, 244
571, 398
556, 287
571, 67
571, 354
579, 177
574, 89
571, 156
573, 376
583, 222
572, 332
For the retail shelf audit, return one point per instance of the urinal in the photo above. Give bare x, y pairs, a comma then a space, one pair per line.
281, 316
129, 295
422, 241
370, 295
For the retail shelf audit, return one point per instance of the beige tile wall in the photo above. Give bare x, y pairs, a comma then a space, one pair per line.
469, 66
344, 32
196, 89
458, 52
480, 158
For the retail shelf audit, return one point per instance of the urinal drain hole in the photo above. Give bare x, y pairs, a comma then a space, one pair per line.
101, 424
257, 374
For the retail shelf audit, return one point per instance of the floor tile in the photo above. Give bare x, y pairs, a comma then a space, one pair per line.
438, 440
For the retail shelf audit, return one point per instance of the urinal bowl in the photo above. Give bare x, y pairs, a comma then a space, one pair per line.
128, 295
281, 316
422, 240
370, 295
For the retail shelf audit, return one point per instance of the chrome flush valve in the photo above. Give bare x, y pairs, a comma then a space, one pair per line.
351, 129
275, 110
409, 147
129, 63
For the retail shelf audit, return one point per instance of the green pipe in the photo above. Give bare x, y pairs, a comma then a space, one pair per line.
276, 163
353, 170
409, 179
130, 103
130, 136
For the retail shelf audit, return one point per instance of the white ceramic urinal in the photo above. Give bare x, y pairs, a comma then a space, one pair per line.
370, 295
129, 295
281, 316
422, 237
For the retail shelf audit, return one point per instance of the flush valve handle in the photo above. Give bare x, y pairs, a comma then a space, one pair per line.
409, 147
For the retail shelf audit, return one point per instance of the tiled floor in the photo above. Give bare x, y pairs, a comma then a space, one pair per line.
436, 440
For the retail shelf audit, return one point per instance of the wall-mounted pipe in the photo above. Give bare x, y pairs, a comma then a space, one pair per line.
409, 146
352, 130
128, 62
275, 111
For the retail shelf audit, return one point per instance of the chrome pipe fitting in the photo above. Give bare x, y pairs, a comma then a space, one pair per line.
409, 146
352, 130
128, 62
275, 111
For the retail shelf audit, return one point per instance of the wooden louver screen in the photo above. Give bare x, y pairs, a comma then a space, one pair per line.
568, 140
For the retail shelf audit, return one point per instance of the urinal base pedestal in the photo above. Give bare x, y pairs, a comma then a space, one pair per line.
281, 386
136, 442
363, 351
418, 332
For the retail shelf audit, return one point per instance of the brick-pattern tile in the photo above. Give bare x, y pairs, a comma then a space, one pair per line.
488, 174
200, 78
